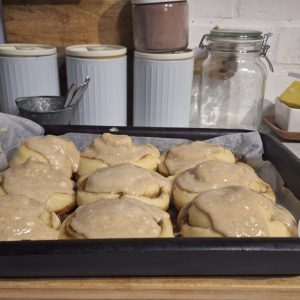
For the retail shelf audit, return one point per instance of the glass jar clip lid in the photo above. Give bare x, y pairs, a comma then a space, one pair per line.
238, 37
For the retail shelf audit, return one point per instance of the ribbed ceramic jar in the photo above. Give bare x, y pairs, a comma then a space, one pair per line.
105, 100
26, 70
162, 88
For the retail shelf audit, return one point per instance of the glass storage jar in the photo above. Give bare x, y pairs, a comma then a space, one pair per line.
233, 78
160, 25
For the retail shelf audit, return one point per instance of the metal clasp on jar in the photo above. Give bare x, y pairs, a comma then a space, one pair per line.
265, 48
201, 44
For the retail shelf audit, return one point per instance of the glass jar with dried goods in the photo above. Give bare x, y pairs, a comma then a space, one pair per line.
233, 78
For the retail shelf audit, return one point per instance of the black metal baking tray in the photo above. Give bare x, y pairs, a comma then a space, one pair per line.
161, 257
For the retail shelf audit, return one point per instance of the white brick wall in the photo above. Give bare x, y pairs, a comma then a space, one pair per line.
281, 17
212, 8
269, 9
288, 50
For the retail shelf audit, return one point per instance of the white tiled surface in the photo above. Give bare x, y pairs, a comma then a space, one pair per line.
281, 17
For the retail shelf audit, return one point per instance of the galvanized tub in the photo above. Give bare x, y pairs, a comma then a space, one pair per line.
45, 110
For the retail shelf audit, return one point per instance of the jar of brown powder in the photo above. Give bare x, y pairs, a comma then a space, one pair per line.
160, 25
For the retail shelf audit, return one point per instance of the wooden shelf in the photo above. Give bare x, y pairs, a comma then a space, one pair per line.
203, 288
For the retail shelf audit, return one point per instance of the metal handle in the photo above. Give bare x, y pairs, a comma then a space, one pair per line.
201, 44
265, 49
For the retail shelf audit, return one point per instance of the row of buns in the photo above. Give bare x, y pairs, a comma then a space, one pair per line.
124, 190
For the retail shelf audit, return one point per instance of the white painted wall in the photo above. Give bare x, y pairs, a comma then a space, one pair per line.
281, 17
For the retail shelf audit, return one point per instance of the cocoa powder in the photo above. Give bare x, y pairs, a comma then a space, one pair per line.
160, 27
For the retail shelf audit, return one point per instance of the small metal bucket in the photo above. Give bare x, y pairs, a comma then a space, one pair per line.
45, 110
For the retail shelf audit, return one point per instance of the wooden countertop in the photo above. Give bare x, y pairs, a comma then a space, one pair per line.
208, 288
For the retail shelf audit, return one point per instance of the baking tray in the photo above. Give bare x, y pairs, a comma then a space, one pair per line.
161, 257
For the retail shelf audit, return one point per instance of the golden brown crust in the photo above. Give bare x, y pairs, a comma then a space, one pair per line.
88, 166
260, 186
162, 168
182, 197
23, 153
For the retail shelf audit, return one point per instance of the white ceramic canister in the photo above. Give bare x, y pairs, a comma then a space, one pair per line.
26, 70
162, 88
105, 101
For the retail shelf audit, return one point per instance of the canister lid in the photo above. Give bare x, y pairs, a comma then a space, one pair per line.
26, 50
154, 1
174, 55
95, 50
235, 34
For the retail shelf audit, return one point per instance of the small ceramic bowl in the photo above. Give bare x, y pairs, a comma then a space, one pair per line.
287, 118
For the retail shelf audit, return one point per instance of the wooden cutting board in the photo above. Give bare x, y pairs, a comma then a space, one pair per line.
67, 22
204, 288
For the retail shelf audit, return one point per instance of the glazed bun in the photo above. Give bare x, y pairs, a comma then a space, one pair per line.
235, 212
214, 174
39, 181
185, 156
117, 218
125, 180
26, 219
109, 150
59, 153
